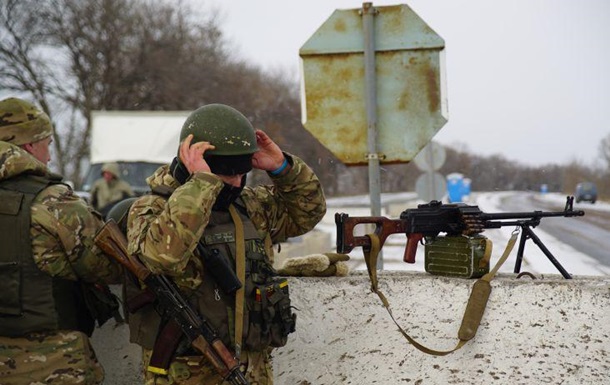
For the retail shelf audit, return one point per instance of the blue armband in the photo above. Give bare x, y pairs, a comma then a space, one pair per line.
279, 170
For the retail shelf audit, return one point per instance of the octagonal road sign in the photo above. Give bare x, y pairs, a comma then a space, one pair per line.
431, 157
410, 78
430, 186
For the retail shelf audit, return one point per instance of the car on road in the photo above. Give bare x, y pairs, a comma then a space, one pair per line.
586, 191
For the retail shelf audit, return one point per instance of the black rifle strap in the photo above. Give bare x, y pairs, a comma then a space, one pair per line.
474, 309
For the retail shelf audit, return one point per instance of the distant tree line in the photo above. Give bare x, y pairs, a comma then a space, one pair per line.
497, 173
74, 57
488, 173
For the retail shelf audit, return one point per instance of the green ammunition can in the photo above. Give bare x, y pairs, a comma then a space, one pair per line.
458, 256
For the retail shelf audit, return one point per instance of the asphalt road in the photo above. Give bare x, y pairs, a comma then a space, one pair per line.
589, 234
120, 359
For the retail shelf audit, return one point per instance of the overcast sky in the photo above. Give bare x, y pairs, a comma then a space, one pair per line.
528, 79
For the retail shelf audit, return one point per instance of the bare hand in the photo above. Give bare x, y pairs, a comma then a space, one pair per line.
192, 155
269, 156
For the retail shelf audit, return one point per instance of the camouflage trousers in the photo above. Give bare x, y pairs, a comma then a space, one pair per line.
195, 370
59, 357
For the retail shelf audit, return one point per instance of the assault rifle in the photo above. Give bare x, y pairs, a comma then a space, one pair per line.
170, 302
431, 219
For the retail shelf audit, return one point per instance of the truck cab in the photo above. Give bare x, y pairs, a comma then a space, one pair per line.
139, 141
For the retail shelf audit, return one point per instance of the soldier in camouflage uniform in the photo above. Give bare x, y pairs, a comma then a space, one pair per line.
198, 204
48, 262
109, 189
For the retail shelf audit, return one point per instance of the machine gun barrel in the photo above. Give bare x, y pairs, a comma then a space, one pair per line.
530, 215
531, 218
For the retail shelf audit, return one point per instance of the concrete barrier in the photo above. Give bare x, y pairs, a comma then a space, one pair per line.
543, 331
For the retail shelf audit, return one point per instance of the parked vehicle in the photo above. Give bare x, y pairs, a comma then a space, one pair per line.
586, 191
139, 141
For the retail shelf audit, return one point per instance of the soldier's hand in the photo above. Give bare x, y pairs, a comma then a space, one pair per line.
192, 155
269, 156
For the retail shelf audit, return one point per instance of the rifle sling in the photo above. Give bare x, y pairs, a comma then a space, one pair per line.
474, 309
240, 267
169, 337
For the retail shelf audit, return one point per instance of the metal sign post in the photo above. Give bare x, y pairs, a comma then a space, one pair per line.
373, 87
430, 185
370, 90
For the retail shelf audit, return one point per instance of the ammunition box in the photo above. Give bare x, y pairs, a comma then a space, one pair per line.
457, 256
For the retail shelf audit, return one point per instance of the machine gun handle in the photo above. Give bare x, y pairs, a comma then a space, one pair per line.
411, 249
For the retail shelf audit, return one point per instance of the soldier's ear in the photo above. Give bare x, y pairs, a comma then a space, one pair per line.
28, 147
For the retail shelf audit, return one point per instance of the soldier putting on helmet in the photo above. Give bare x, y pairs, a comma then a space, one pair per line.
51, 274
201, 207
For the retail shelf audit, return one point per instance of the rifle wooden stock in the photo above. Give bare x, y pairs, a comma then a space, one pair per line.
196, 328
112, 242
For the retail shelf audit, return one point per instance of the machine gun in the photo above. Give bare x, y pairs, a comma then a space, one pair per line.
170, 301
431, 219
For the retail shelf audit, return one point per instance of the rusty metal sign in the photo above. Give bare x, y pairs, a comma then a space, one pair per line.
410, 84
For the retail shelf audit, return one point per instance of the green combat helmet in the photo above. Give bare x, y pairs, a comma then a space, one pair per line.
229, 131
21, 122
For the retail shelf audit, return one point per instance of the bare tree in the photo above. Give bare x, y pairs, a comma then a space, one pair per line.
110, 54
24, 62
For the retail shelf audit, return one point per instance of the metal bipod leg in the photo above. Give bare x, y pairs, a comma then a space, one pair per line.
528, 233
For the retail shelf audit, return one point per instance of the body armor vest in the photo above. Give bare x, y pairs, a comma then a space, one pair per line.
30, 299
267, 313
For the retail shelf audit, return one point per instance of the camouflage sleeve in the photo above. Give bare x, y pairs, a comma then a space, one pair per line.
62, 230
164, 233
292, 206
129, 190
125, 189
93, 195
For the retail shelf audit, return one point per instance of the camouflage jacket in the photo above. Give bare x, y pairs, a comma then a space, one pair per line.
164, 232
62, 232
104, 193
63, 226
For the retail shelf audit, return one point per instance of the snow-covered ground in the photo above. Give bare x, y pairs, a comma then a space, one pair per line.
534, 260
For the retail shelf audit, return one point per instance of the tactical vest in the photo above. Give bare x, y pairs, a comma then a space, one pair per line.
30, 299
268, 317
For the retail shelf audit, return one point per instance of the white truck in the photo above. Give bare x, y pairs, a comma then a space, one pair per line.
139, 141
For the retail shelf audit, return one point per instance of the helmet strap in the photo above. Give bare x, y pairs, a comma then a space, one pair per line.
179, 171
